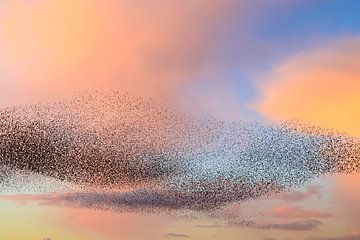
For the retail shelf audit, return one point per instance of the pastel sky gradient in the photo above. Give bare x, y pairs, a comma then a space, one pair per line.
252, 60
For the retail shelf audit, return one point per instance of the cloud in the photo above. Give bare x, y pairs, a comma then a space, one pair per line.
207, 226
302, 225
177, 235
130, 202
347, 196
270, 238
318, 86
295, 196
152, 48
121, 44
294, 212
51, 49
345, 237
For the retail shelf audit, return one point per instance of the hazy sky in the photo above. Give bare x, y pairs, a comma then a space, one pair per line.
263, 60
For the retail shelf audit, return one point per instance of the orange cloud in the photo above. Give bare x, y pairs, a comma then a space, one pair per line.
51, 48
320, 86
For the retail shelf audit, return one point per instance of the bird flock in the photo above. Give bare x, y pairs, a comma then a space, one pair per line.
139, 154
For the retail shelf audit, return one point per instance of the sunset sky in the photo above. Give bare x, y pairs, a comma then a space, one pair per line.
251, 60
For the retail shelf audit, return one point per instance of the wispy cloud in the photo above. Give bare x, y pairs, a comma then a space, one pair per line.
177, 235
344, 237
303, 225
124, 202
295, 196
294, 212
208, 226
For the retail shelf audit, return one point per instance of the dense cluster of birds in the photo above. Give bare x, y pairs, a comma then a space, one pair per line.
139, 154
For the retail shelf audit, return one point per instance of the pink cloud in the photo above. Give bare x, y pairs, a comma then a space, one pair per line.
295, 196
53, 48
294, 212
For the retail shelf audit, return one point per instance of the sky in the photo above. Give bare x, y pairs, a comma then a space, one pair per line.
236, 60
